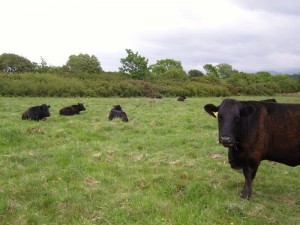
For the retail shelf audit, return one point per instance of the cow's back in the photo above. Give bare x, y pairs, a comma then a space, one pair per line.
31, 114
67, 111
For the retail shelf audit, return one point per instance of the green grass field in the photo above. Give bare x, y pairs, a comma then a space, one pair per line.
164, 166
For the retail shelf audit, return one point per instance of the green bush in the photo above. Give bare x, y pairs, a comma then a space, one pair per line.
115, 84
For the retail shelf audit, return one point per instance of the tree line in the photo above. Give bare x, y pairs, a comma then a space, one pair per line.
82, 75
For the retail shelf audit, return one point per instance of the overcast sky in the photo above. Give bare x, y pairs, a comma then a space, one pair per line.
251, 35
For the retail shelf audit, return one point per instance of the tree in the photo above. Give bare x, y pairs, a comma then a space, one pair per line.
84, 63
175, 74
211, 70
296, 77
241, 79
164, 65
195, 73
225, 70
134, 65
286, 83
42, 67
263, 77
11, 63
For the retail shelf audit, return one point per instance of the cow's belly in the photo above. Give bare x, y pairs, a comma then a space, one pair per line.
289, 155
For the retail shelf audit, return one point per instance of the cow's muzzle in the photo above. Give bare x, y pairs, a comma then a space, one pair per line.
227, 141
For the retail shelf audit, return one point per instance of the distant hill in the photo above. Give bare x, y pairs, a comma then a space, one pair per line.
289, 72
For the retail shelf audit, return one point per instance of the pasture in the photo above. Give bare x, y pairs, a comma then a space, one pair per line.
164, 166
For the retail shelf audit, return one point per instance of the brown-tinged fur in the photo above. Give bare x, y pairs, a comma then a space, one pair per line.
72, 110
117, 112
37, 113
181, 98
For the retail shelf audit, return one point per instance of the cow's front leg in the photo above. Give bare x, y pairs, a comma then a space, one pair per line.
249, 174
247, 190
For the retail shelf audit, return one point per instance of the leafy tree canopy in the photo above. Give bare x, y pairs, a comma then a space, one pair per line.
84, 63
134, 65
263, 77
195, 73
285, 83
164, 65
175, 74
211, 70
225, 70
222, 70
11, 63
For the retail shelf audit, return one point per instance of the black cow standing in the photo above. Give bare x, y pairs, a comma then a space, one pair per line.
72, 110
258, 130
117, 111
36, 113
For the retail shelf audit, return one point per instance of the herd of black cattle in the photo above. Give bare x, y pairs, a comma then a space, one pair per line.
251, 130
40, 112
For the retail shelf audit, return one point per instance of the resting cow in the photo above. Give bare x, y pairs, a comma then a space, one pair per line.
269, 100
118, 112
258, 130
71, 110
181, 98
36, 113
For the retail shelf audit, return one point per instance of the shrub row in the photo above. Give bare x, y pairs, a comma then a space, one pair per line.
110, 84
105, 85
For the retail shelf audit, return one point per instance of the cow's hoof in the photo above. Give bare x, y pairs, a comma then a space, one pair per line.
245, 195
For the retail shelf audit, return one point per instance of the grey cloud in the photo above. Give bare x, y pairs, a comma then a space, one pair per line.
244, 50
270, 41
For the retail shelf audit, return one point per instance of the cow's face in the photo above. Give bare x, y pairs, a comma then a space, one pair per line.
81, 107
230, 115
117, 107
45, 110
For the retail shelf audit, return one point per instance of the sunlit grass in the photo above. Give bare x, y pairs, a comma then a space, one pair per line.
162, 167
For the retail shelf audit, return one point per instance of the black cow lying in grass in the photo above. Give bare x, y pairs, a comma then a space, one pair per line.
181, 98
71, 110
117, 111
36, 112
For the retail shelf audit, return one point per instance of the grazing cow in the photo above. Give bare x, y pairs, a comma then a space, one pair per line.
117, 111
181, 98
71, 110
258, 130
36, 113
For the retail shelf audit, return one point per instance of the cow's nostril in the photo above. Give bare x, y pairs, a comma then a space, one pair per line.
225, 138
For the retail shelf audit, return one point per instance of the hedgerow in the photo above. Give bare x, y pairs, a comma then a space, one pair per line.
109, 84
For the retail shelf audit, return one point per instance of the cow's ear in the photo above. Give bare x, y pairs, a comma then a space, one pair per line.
247, 110
48, 106
211, 109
